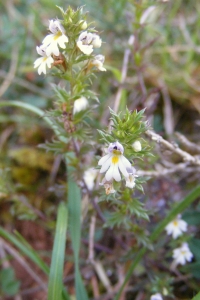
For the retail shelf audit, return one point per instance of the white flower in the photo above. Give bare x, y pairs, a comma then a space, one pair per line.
87, 41
98, 62
182, 255
96, 41
156, 296
137, 146
130, 180
80, 104
42, 62
176, 227
56, 38
84, 42
89, 177
113, 162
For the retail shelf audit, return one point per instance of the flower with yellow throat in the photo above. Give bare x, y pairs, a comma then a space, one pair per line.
114, 162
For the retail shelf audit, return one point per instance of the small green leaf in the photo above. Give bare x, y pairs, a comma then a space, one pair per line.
192, 217
197, 297
194, 245
9, 285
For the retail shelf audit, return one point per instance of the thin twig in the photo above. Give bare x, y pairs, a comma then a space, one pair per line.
91, 239
163, 171
97, 264
24, 83
168, 111
22, 261
174, 148
11, 74
189, 145
127, 53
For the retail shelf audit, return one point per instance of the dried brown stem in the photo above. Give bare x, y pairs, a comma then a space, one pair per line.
127, 53
174, 148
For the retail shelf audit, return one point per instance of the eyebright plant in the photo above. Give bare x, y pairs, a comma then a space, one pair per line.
71, 52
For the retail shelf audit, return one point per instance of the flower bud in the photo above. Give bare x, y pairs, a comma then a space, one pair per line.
83, 24
137, 146
80, 104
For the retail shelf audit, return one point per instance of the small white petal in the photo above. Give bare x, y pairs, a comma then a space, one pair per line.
38, 62
62, 40
122, 166
109, 173
116, 174
96, 41
104, 159
49, 61
86, 49
126, 162
106, 165
48, 39
42, 69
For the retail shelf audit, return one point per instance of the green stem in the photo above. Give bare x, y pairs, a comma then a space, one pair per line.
170, 217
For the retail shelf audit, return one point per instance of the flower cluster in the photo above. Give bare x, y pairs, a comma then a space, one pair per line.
51, 44
113, 163
176, 228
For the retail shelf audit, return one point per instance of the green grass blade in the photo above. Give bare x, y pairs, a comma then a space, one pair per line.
26, 249
197, 297
74, 204
55, 285
161, 226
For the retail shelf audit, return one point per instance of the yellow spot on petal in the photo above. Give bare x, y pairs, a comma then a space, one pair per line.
57, 36
116, 152
45, 58
115, 159
175, 223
